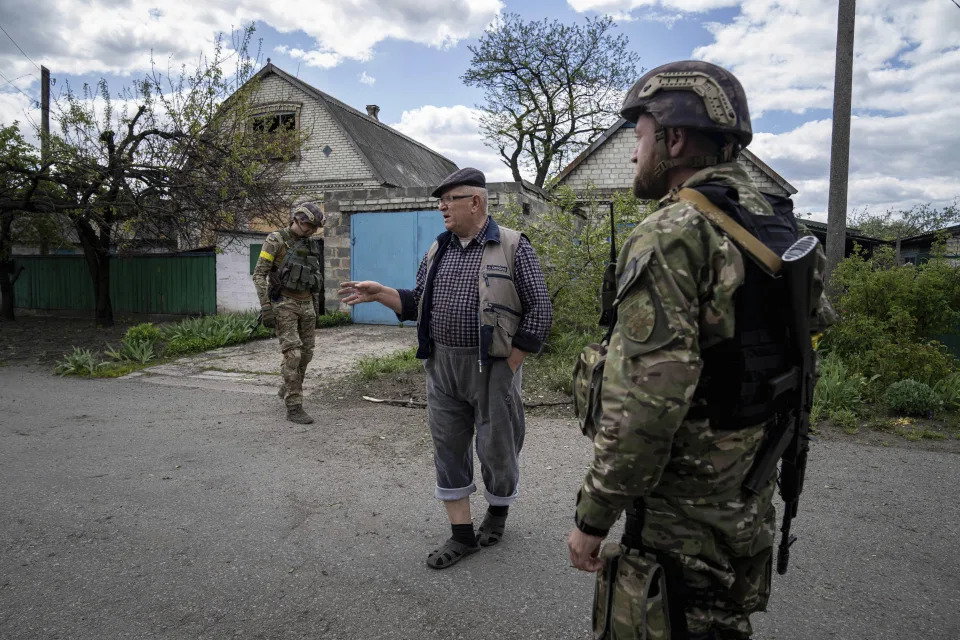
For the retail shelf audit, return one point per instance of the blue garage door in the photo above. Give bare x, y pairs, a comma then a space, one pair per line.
388, 247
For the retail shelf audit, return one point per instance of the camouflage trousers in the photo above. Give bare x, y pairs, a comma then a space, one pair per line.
296, 323
724, 552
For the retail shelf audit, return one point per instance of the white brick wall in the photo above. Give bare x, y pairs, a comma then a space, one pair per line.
609, 167
235, 291
343, 164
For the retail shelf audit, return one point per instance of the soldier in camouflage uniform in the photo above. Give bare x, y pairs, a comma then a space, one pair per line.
667, 451
287, 278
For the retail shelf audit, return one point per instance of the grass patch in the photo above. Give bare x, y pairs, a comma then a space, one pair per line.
372, 367
334, 319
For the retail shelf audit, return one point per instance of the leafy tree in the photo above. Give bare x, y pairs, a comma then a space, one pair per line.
550, 88
572, 241
897, 224
170, 160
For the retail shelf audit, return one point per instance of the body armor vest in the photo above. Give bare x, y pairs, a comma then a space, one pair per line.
733, 391
300, 268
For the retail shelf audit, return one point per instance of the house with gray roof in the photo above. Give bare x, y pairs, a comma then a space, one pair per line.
605, 166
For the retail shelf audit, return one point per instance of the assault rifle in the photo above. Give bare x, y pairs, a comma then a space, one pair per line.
608, 290
788, 441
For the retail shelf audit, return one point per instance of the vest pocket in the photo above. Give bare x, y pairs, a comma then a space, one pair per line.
500, 324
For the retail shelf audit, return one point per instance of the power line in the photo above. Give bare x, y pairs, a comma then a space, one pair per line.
18, 47
10, 82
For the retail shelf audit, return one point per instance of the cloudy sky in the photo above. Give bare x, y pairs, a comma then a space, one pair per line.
408, 55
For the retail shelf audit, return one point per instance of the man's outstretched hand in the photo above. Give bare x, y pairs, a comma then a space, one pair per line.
357, 292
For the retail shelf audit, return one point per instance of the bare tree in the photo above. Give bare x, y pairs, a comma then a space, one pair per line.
550, 88
168, 162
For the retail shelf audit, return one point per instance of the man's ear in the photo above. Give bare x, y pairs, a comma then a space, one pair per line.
677, 141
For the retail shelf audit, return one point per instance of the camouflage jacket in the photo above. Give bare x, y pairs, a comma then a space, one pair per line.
272, 253
677, 276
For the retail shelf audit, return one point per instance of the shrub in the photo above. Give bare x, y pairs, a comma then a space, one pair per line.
948, 388
838, 389
371, 367
846, 420
144, 332
140, 352
911, 398
81, 362
334, 319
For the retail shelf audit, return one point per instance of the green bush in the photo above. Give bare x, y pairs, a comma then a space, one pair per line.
144, 332
372, 367
81, 362
140, 352
334, 319
890, 316
838, 389
948, 389
846, 420
912, 398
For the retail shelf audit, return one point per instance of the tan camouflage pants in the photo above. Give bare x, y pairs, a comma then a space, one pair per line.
296, 323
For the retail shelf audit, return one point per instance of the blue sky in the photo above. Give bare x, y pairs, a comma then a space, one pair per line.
407, 56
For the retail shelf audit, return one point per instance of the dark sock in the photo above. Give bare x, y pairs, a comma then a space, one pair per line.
463, 533
499, 511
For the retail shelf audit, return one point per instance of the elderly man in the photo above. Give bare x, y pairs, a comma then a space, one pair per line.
287, 278
481, 306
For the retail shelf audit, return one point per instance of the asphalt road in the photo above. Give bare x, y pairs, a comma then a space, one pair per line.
134, 510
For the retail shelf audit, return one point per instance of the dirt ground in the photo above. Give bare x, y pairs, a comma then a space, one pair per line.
42, 340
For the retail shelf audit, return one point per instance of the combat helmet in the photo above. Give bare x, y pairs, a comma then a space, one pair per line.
310, 213
693, 95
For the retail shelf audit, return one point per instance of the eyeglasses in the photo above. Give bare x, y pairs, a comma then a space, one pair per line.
448, 198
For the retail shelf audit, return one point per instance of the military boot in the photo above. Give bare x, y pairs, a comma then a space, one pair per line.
298, 415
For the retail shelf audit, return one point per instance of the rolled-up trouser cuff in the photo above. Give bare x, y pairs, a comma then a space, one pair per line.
499, 501
448, 495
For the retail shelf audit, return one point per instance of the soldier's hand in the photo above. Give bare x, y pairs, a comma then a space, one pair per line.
584, 550
357, 292
268, 317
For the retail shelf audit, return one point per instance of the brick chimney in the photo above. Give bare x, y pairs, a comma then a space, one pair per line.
373, 111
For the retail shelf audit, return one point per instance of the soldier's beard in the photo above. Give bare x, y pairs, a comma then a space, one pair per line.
647, 185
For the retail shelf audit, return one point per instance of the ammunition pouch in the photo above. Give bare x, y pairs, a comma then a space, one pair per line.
300, 270
587, 385
630, 599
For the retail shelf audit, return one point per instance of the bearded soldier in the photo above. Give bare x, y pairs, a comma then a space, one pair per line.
688, 404
289, 286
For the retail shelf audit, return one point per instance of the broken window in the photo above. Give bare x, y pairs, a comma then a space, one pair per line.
273, 122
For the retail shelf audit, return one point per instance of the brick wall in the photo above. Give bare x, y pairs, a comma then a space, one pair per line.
341, 205
343, 167
609, 168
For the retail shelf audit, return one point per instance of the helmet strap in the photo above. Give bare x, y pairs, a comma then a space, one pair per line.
728, 153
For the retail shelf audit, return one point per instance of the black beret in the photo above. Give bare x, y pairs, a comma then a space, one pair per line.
467, 176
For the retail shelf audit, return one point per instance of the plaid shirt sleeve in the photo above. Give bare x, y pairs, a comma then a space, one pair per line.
537, 309
410, 298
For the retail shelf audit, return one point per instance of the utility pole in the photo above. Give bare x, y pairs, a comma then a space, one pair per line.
44, 112
840, 143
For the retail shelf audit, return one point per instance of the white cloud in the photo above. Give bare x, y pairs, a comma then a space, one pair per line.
16, 107
624, 7
118, 36
906, 77
367, 79
455, 133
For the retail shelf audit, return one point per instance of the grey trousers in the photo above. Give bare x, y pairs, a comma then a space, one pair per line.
462, 402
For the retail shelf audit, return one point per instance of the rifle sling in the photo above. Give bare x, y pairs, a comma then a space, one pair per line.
761, 254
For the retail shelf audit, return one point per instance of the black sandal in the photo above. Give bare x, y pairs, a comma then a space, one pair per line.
450, 554
491, 530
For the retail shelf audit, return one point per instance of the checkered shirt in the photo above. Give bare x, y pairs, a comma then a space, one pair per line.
454, 319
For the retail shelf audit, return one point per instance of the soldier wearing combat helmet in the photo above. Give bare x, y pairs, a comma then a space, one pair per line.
289, 286
685, 404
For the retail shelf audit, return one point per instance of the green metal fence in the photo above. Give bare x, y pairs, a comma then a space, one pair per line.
182, 283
